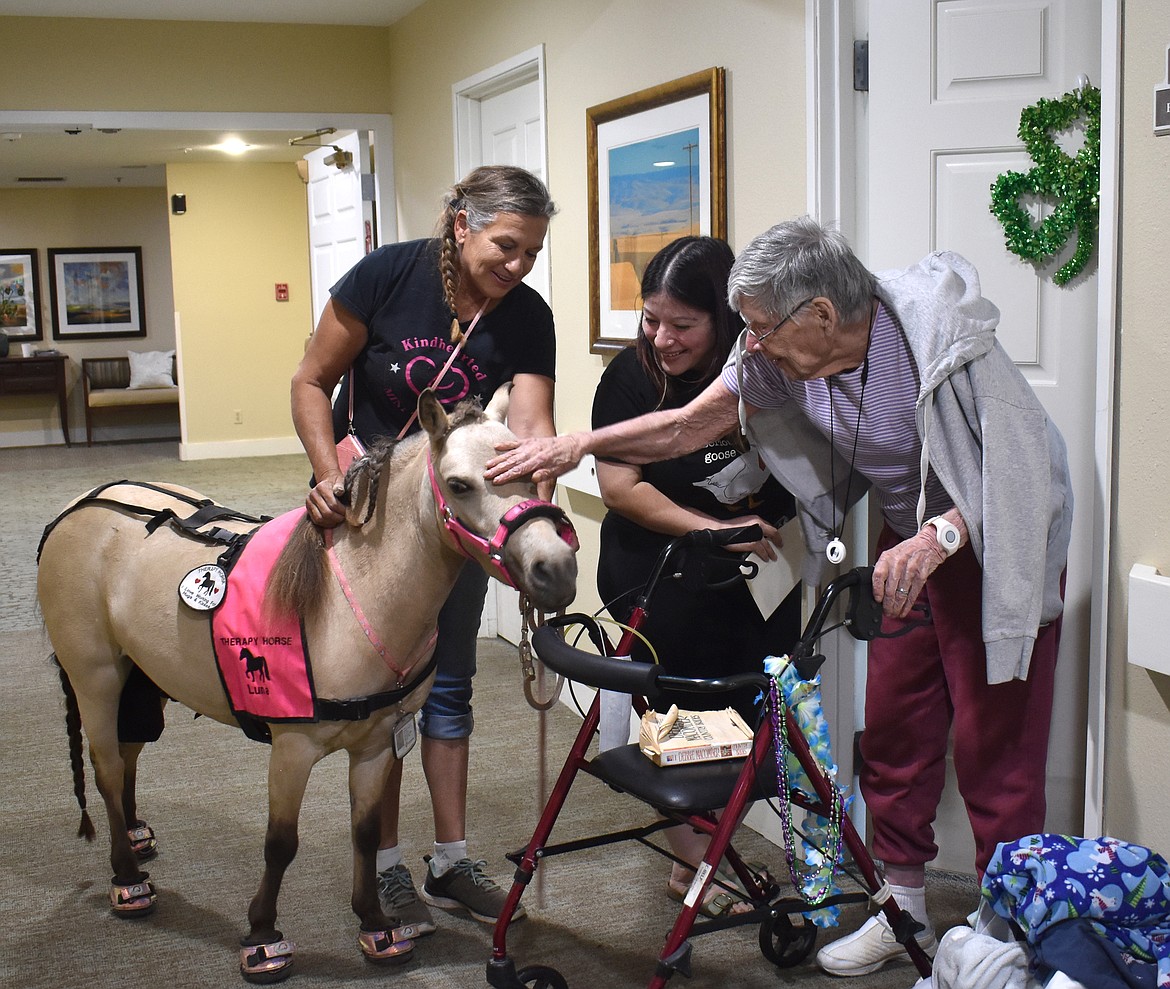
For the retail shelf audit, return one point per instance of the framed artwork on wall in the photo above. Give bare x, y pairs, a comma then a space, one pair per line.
20, 294
657, 170
97, 292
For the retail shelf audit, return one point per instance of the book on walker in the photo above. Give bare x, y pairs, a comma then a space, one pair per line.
679, 737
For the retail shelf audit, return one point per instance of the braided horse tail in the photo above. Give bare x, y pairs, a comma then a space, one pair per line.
73, 727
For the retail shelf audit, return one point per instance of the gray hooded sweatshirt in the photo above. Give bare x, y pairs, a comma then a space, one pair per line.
988, 438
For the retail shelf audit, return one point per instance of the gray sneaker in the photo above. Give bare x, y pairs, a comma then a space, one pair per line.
398, 898
465, 886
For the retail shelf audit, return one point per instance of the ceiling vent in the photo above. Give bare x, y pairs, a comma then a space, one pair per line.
40, 178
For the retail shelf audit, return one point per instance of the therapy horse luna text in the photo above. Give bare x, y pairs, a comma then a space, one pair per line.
108, 589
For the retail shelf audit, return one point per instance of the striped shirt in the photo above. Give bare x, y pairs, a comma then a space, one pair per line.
882, 423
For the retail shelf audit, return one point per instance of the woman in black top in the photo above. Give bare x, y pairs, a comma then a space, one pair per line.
392, 322
685, 333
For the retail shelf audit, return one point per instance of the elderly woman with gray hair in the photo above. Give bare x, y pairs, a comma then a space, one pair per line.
848, 381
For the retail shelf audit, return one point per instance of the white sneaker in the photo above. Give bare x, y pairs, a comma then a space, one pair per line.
868, 948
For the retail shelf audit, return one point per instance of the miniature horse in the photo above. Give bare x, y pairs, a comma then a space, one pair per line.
416, 511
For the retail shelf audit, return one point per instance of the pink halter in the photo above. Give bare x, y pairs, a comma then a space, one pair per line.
471, 543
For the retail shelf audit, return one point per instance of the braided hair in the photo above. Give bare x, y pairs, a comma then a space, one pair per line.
484, 193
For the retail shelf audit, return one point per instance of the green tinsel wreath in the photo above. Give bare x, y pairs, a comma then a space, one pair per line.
1072, 183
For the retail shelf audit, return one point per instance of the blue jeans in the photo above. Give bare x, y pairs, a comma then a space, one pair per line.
447, 711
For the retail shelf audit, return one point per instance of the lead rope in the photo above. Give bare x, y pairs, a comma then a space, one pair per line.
533, 672
528, 663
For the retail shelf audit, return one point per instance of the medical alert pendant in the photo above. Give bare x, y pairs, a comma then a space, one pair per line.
835, 551
202, 589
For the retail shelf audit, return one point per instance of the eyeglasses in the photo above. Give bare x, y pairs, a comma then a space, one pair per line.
761, 337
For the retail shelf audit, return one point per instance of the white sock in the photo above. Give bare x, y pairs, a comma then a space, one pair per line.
447, 853
912, 899
388, 858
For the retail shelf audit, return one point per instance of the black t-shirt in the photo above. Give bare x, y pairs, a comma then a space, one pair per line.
697, 479
397, 293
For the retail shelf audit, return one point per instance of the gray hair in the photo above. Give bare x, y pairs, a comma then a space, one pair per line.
796, 260
484, 193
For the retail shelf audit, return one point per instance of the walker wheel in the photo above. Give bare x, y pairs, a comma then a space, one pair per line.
541, 977
784, 943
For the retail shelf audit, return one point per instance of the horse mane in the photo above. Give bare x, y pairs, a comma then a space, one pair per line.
297, 582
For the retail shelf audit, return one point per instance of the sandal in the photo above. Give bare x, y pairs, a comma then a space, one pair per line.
716, 902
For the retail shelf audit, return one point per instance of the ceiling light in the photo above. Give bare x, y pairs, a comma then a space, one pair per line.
232, 146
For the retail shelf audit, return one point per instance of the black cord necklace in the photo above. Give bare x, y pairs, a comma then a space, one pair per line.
835, 551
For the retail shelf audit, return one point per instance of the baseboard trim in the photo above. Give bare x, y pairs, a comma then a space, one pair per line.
276, 446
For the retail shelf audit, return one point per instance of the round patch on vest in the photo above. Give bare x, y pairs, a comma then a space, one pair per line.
202, 589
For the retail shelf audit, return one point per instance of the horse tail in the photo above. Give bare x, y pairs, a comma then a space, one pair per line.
297, 582
73, 727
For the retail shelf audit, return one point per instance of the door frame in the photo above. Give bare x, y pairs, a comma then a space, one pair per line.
466, 95
836, 138
500, 616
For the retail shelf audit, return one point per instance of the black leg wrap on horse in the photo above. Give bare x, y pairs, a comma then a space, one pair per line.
140, 712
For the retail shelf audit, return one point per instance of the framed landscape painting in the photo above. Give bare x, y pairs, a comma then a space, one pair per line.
97, 292
656, 171
20, 293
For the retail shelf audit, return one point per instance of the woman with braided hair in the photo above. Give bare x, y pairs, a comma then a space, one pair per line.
393, 323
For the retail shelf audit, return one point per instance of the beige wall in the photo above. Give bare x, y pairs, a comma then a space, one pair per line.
45, 218
245, 230
596, 51
1138, 706
77, 64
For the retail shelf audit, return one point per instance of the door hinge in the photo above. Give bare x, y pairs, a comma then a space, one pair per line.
861, 66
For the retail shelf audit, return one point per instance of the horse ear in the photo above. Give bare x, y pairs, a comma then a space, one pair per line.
431, 416
498, 407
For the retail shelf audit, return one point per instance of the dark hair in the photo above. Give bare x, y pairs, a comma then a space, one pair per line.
693, 271
483, 194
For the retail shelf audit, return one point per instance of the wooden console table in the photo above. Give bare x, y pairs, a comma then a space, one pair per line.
37, 376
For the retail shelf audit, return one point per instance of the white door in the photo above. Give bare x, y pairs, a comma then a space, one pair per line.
500, 121
947, 82
510, 134
340, 221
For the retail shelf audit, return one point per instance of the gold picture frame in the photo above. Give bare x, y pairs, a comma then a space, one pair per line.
641, 193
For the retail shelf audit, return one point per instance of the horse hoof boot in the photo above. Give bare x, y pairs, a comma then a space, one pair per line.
266, 963
142, 841
133, 900
388, 947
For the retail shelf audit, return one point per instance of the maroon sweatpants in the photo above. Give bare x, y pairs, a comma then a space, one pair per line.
921, 684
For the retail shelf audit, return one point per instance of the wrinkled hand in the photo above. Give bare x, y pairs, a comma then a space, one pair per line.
765, 547
323, 502
543, 458
901, 572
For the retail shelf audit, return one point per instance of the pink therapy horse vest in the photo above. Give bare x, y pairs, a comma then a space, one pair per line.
263, 659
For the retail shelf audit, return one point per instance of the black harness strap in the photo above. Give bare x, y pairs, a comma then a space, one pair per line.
360, 708
206, 511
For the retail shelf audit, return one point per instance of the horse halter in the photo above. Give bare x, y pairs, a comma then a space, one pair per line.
470, 543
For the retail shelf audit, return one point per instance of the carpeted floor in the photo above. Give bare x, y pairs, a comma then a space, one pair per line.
599, 916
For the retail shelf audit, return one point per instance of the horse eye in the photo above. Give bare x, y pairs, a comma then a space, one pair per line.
458, 486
